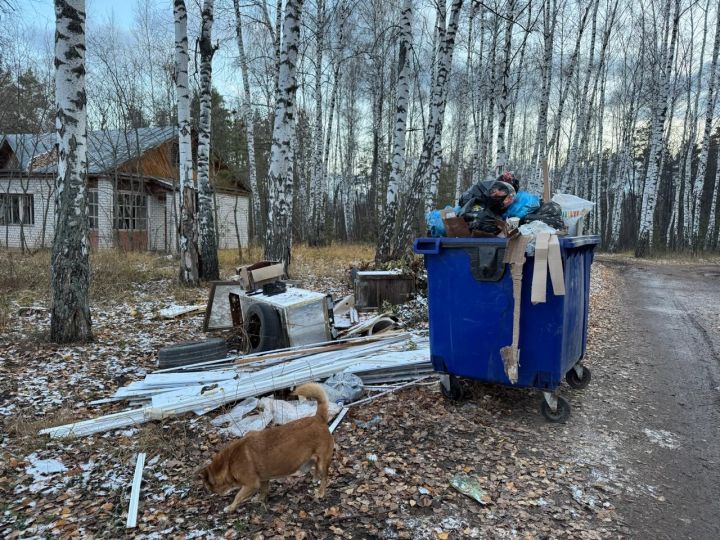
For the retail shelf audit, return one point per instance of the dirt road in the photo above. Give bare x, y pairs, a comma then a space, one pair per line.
664, 411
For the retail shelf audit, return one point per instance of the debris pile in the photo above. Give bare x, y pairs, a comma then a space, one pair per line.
204, 387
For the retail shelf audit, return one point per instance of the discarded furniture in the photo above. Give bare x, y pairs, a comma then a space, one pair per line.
374, 288
253, 276
472, 310
289, 319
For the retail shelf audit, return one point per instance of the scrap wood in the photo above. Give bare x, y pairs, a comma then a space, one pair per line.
539, 282
288, 353
173, 312
515, 257
135, 492
201, 399
556, 267
338, 419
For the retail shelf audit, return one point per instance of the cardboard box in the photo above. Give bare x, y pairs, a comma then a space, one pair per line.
454, 226
254, 276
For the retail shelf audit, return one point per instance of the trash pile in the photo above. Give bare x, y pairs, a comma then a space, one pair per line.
498, 208
346, 366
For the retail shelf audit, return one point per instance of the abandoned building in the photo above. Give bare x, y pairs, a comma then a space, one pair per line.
132, 192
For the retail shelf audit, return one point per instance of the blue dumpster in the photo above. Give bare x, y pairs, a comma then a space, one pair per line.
470, 296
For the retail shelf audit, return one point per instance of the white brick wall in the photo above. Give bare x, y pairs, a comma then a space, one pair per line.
44, 207
157, 224
161, 217
227, 236
106, 238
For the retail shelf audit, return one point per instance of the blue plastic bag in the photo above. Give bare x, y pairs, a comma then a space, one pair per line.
434, 222
525, 203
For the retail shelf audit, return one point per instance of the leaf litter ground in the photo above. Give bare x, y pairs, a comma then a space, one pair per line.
389, 479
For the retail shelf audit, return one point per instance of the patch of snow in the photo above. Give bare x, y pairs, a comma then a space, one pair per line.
42, 471
662, 438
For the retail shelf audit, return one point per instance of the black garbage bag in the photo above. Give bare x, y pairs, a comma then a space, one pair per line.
549, 213
482, 220
476, 194
491, 194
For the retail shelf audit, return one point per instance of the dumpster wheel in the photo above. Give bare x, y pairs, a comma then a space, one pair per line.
576, 380
561, 412
455, 392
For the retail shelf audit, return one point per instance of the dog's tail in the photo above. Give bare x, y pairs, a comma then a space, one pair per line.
316, 392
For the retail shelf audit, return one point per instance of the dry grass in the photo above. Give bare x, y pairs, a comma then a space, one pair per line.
332, 260
25, 278
24, 428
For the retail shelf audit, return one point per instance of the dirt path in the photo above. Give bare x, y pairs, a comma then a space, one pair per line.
668, 423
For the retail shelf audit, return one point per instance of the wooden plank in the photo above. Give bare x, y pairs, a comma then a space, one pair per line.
135, 492
556, 267
338, 419
539, 282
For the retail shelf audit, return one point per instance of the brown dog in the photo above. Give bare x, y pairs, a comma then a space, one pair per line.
276, 452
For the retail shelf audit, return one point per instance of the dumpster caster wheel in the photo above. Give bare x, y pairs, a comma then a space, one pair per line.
561, 412
455, 391
576, 380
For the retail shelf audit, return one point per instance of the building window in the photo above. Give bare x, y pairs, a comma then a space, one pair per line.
17, 209
131, 211
93, 208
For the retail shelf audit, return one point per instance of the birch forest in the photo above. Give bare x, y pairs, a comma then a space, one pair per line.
349, 120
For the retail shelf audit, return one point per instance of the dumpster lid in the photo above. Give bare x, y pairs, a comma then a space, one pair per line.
565, 241
579, 241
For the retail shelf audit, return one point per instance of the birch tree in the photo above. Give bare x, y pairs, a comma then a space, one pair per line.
247, 115
189, 274
70, 315
397, 170
208, 256
705, 148
540, 149
316, 185
278, 238
504, 102
660, 109
428, 168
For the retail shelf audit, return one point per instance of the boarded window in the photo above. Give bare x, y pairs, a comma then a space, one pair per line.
131, 211
93, 208
17, 209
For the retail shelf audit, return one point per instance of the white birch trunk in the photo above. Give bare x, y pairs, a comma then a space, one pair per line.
397, 170
278, 238
208, 256
711, 233
540, 147
705, 148
649, 198
248, 118
565, 88
439, 101
70, 279
188, 234
491, 90
570, 178
504, 100
463, 107
430, 157
316, 191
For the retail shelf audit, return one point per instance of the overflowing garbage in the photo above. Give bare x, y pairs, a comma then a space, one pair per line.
499, 208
